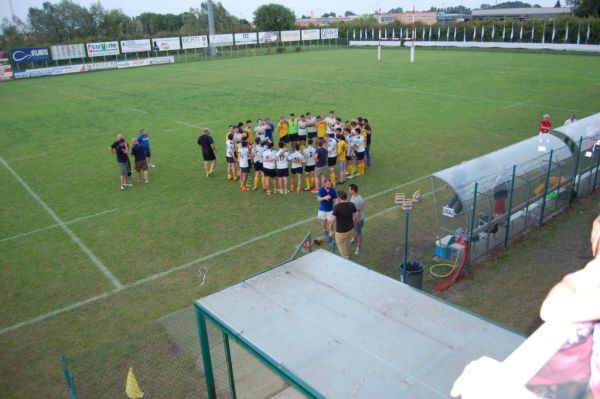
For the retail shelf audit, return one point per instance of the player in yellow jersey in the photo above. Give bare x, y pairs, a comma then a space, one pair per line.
249, 130
321, 127
342, 147
283, 128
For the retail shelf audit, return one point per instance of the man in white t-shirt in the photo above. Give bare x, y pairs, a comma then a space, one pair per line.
269, 167
297, 159
302, 124
281, 161
230, 156
359, 203
331, 146
330, 120
311, 126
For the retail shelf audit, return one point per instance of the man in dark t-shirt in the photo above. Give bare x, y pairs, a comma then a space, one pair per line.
120, 149
320, 165
345, 216
112, 149
138, 151
206, 142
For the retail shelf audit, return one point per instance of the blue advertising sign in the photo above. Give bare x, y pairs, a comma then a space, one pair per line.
34, 54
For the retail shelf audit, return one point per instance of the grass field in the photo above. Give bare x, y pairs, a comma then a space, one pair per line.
119, 260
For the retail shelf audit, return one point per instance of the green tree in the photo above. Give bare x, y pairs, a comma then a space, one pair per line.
349, 14
270, 17
395, 10
585, 8
557, 5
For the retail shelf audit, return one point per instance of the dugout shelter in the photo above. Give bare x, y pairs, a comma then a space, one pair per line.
324, 326
490, 200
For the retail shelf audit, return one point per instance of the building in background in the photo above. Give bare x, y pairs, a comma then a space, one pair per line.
406, 18
520, 13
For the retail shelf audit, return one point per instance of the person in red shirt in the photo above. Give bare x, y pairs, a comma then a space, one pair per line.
545, 126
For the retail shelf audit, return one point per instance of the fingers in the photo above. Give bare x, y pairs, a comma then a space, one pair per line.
595, 238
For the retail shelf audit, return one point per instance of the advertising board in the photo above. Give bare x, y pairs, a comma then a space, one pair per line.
245, 38
311, 34
221, 40
68, 51
290, 35
60, 70
330, 33
135, 46
145, 62
100, 49
33, 54
268, 37
166, 43
194, 41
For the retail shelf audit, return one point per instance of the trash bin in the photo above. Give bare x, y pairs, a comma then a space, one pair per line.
414, 274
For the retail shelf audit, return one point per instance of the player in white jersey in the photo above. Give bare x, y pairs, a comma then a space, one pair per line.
260, 130
230, 156
302, 123
243, 157
282, 168
269, 166
330, 120
331, 146
257, 155
297, 159
358, 142
309, 165
311, 126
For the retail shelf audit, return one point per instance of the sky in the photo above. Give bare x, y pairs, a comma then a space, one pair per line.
245, 8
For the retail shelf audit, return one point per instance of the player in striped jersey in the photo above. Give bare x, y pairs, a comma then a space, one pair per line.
230, 156
309, 165
297, 159
358, 143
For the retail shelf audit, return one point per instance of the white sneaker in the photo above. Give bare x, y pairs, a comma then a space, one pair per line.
357, 251
152, 165
129, 185
123, 187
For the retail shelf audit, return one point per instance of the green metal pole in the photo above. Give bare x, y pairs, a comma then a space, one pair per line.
405, 257
229, 365
471, 225
596, 174
546, 187
510, 201
68, 377
575, 171
205, 350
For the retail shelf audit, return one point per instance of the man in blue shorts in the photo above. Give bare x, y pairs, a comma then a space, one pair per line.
325, 196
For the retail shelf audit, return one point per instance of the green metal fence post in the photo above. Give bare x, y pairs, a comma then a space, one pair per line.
205, 350
471, 225
405, 256
546, 187
575, 173
596, 174
68, 377
229, 365
510, 201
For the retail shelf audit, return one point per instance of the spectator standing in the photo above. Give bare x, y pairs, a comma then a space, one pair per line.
141, 164
325, 196
119, 148
359, 203
320, 165
345, 216
145, 142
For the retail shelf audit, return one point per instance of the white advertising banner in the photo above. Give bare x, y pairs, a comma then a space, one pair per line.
6, 72
268, 37
99, 66
221, 40
145, 62
245, 38
532, 46
61, 70
311, 34
194, 41
331, 33
166, 43
100, 49
68, 51
135, 46
290, 35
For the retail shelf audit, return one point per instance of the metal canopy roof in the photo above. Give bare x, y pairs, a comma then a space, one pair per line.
347, 331
587, 128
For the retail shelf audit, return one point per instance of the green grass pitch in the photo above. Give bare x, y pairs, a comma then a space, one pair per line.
446, 107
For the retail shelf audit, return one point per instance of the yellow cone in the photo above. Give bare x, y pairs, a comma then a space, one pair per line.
132, 389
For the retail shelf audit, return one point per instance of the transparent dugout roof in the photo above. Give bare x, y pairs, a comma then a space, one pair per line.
587, 128
349, 332
485, 169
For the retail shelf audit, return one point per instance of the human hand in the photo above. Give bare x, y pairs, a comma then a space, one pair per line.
595, 238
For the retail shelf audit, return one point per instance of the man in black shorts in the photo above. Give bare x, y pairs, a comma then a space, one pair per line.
208, 152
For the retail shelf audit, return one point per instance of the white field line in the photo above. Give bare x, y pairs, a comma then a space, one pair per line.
41, 154
66, 229
195, 126
192, 263
515, 104
58, 225
187, 124
89, 98
136, 110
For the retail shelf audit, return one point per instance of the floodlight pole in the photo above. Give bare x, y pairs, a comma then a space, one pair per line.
412, 48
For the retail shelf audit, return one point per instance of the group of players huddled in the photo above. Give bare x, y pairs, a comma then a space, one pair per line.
314, 147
